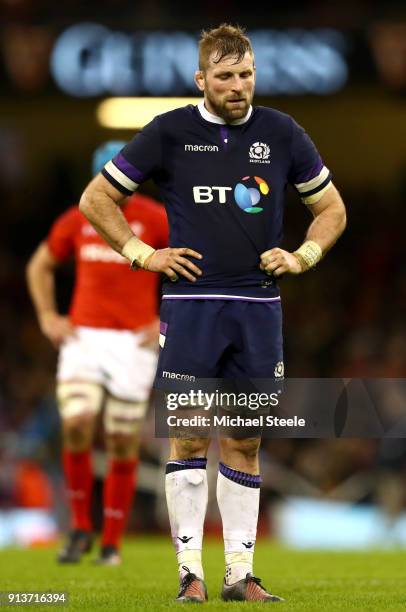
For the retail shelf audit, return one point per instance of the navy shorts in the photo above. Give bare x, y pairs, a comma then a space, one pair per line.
220, 339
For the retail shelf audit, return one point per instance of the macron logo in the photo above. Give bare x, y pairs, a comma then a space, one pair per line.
189, 147
177, 376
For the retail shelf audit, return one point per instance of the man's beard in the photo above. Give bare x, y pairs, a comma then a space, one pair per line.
226, 112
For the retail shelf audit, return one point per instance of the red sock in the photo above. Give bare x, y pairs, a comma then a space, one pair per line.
117, 498
78, 472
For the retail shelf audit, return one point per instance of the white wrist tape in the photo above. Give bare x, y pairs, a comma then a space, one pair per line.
136, 251
309, 254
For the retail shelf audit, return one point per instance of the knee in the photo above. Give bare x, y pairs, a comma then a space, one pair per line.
78, 432
79, 403
122, 446
183, 448
122, 425
247, 447
123, 419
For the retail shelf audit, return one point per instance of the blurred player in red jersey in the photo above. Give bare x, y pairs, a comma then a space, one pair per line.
107, 357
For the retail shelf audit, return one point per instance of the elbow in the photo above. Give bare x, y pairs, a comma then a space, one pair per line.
31, 266
339, 214
36, 266
33, 271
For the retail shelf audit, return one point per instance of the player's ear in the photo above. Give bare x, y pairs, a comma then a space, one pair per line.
199, 79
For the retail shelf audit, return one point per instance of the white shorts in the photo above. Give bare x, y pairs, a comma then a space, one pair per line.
112, 358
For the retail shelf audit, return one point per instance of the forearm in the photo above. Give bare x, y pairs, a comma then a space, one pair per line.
41, 286
327, 227
328, 224
106, 217
100, 205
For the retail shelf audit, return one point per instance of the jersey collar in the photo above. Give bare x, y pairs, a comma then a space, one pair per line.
216, 119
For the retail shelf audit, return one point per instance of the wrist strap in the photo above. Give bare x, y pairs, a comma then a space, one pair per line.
137, 252
308, 255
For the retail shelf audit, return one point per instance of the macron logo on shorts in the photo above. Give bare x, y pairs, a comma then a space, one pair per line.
177, 376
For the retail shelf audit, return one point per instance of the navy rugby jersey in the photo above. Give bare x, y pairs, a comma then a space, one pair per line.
224, 188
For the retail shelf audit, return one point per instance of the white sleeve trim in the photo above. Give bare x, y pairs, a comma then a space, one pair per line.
120, 177
314, 182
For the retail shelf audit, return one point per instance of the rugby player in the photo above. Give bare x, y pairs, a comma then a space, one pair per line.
107, 358
223, 167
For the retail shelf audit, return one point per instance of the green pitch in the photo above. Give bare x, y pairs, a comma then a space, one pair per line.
147, 580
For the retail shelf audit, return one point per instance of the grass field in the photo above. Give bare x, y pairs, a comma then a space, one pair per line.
147, 580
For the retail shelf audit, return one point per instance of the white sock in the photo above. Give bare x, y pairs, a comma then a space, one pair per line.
238, 500
186, 496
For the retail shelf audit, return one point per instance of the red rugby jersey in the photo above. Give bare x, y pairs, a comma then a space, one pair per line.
107, 293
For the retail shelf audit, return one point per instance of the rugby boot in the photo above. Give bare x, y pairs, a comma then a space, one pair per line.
78, 543
247, 589
192, 589
109, 555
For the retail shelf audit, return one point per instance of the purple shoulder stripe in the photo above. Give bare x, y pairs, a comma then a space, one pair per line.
128, 169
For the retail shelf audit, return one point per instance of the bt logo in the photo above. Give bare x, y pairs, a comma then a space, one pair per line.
247, 194
204, 195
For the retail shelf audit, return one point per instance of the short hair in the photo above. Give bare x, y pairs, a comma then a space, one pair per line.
226, 40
